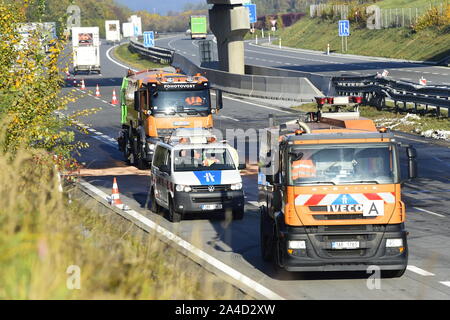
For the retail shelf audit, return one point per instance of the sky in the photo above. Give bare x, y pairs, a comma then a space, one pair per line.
157, 6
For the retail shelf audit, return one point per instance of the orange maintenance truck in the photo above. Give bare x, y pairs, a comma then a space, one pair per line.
329, 194
157, 102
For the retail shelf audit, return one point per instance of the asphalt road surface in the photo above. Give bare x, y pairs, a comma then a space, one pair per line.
237, 243
318, 62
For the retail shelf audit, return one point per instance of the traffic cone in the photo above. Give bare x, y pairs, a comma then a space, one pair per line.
115, 196
114, 98
83, 87
97, 92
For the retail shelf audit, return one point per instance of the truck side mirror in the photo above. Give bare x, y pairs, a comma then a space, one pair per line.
164, 168
411, 153
219, 99
242, 166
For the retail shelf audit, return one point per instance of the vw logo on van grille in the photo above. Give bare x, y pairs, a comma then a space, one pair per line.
211, 188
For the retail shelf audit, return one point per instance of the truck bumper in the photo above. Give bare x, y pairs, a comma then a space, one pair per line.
194, 202
320, 254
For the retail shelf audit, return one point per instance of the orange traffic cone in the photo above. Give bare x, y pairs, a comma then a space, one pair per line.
97, 92
83, 87
114, 98
115, 197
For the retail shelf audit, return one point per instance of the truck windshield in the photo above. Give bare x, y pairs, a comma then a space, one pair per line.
203, 159
343, 164
172, 102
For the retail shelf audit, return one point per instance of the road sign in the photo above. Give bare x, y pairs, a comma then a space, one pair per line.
149, 39
252, 12
344, 28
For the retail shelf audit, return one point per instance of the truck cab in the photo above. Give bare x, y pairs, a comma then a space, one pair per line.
330, 196
193, 173
157, 102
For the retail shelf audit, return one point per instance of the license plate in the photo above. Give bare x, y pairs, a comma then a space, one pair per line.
345, 245
211, 206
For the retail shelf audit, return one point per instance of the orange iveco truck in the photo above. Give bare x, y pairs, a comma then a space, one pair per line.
155, 103
329, 194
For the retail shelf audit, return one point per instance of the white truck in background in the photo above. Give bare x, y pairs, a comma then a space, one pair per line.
112, 29
127, 29
86, 49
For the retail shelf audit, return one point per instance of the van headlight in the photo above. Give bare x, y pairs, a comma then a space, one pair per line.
236, 186
183, 188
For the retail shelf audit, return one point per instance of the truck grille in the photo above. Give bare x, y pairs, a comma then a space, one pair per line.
213, 199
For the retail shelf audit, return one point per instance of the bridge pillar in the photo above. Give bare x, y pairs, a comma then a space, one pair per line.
229, 21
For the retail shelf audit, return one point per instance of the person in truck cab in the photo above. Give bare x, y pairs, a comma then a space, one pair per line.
303, 167
209, 160
194, 101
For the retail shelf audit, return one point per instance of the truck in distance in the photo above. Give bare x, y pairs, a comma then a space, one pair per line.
86, 49
155, 103
112, 31
191, 172
198, 27
330, 195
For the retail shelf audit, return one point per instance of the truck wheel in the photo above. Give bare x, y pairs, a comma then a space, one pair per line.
266, 238
392, 273
126, 148
238, 214
154, 207
174, 216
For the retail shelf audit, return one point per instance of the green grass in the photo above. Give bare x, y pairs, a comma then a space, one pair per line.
124, 55
399, 43
387, 4
42, 234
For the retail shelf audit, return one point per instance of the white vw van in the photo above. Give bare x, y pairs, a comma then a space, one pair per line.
193, 173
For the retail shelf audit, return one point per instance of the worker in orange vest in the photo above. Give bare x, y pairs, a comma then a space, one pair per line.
194, 101
303, 168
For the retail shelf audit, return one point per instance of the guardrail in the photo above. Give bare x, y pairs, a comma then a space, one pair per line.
376, 90
156, 54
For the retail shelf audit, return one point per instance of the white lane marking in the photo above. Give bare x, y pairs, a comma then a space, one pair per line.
419, 271
233, 273
230, 118
429, 212
254, 203
445, 283
407, 138
258, 105
114, 61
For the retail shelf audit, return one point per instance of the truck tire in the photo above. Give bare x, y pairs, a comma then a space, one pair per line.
266, 237
174, 216
392, 273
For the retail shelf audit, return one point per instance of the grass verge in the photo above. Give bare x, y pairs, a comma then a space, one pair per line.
124, 55
53, 248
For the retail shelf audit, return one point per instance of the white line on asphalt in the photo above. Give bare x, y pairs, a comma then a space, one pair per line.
429, 212
254, 203
258, 105
233, 273
419, 271
226, 117
119, 64
445, 283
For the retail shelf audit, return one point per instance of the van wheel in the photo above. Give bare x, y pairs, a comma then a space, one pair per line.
154, 206
174, 216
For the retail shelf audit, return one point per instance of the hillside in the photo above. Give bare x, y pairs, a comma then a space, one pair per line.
430, 44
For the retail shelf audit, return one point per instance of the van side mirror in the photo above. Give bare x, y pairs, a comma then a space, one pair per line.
164, 168
242, 166
411, 153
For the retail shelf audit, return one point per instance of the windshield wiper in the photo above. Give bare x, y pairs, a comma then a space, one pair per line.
361, 181
318, 182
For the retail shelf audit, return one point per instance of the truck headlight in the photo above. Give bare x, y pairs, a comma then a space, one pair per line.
296, 244
236, 186
183, 188
394, 243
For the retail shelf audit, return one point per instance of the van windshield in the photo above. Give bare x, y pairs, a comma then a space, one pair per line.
343, 164
203, 159
173, 102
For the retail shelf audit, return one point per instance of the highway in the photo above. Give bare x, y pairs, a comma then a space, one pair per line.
318, 62
236, 244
